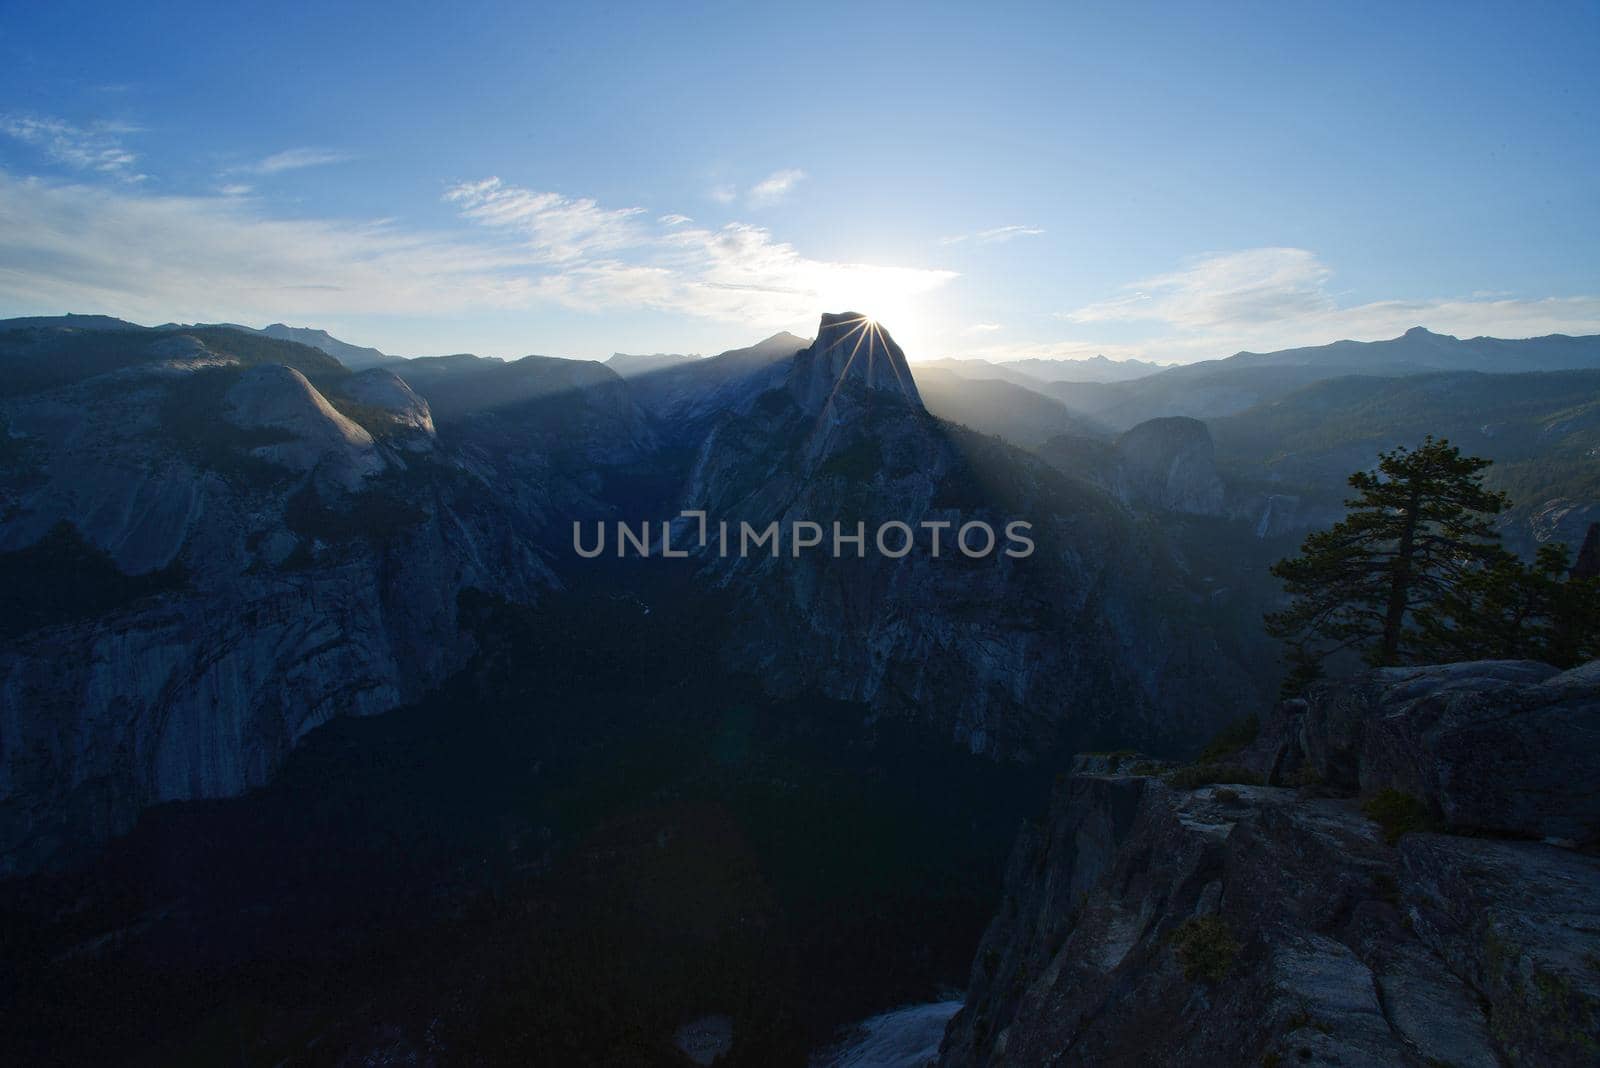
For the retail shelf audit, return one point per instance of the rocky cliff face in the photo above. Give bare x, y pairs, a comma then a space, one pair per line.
1560, 520
1149, 921
1164, 465
851, 353
681, 399
284, 542
406, 416
280, 564
1094, 635
300, 431
1500, 748
1170, 464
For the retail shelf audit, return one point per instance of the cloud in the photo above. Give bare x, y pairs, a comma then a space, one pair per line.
983, 328
607, 258
740, 273
557, 228
1273, 298
996, 236
775, 186
96, 147
1262, 285
294, 159
771, 190
203, 258
157, 258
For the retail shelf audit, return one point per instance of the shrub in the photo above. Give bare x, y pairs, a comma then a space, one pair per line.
1197, 775
1230, 739
1206, 948
1397, 812
375, 420
191, 415
1304, 776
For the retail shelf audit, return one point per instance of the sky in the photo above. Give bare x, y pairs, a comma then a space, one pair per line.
1166, 181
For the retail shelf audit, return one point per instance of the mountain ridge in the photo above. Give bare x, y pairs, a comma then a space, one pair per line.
470, 470
1213, 388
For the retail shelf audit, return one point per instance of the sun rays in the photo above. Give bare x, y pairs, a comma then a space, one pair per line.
868, 331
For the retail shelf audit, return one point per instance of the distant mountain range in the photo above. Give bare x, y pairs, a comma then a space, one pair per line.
627, 365
1087, 369
1542, 429
355, 357
69, 321
1005, 408
1031, 372
1215, 388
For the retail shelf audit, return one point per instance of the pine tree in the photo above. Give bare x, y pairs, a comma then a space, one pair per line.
1382, 580
1509, 610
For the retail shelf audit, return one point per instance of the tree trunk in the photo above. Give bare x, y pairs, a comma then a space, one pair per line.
1400, 584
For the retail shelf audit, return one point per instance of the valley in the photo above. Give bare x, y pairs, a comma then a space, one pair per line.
476, 795
894, 535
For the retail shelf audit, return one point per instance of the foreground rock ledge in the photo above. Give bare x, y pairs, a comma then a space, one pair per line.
1242, 925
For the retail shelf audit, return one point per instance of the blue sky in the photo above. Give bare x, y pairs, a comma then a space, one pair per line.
1166, 181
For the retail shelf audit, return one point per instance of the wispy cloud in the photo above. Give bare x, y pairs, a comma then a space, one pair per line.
772, 189
674, 220
1261, 285
738, 273
776, 186
157, 257
96, 147
294, 159
983, 328
995, 236
1271, 298
557, 228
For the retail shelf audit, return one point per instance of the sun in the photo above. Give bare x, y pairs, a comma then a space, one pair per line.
885, 304
894, 299
884, 299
